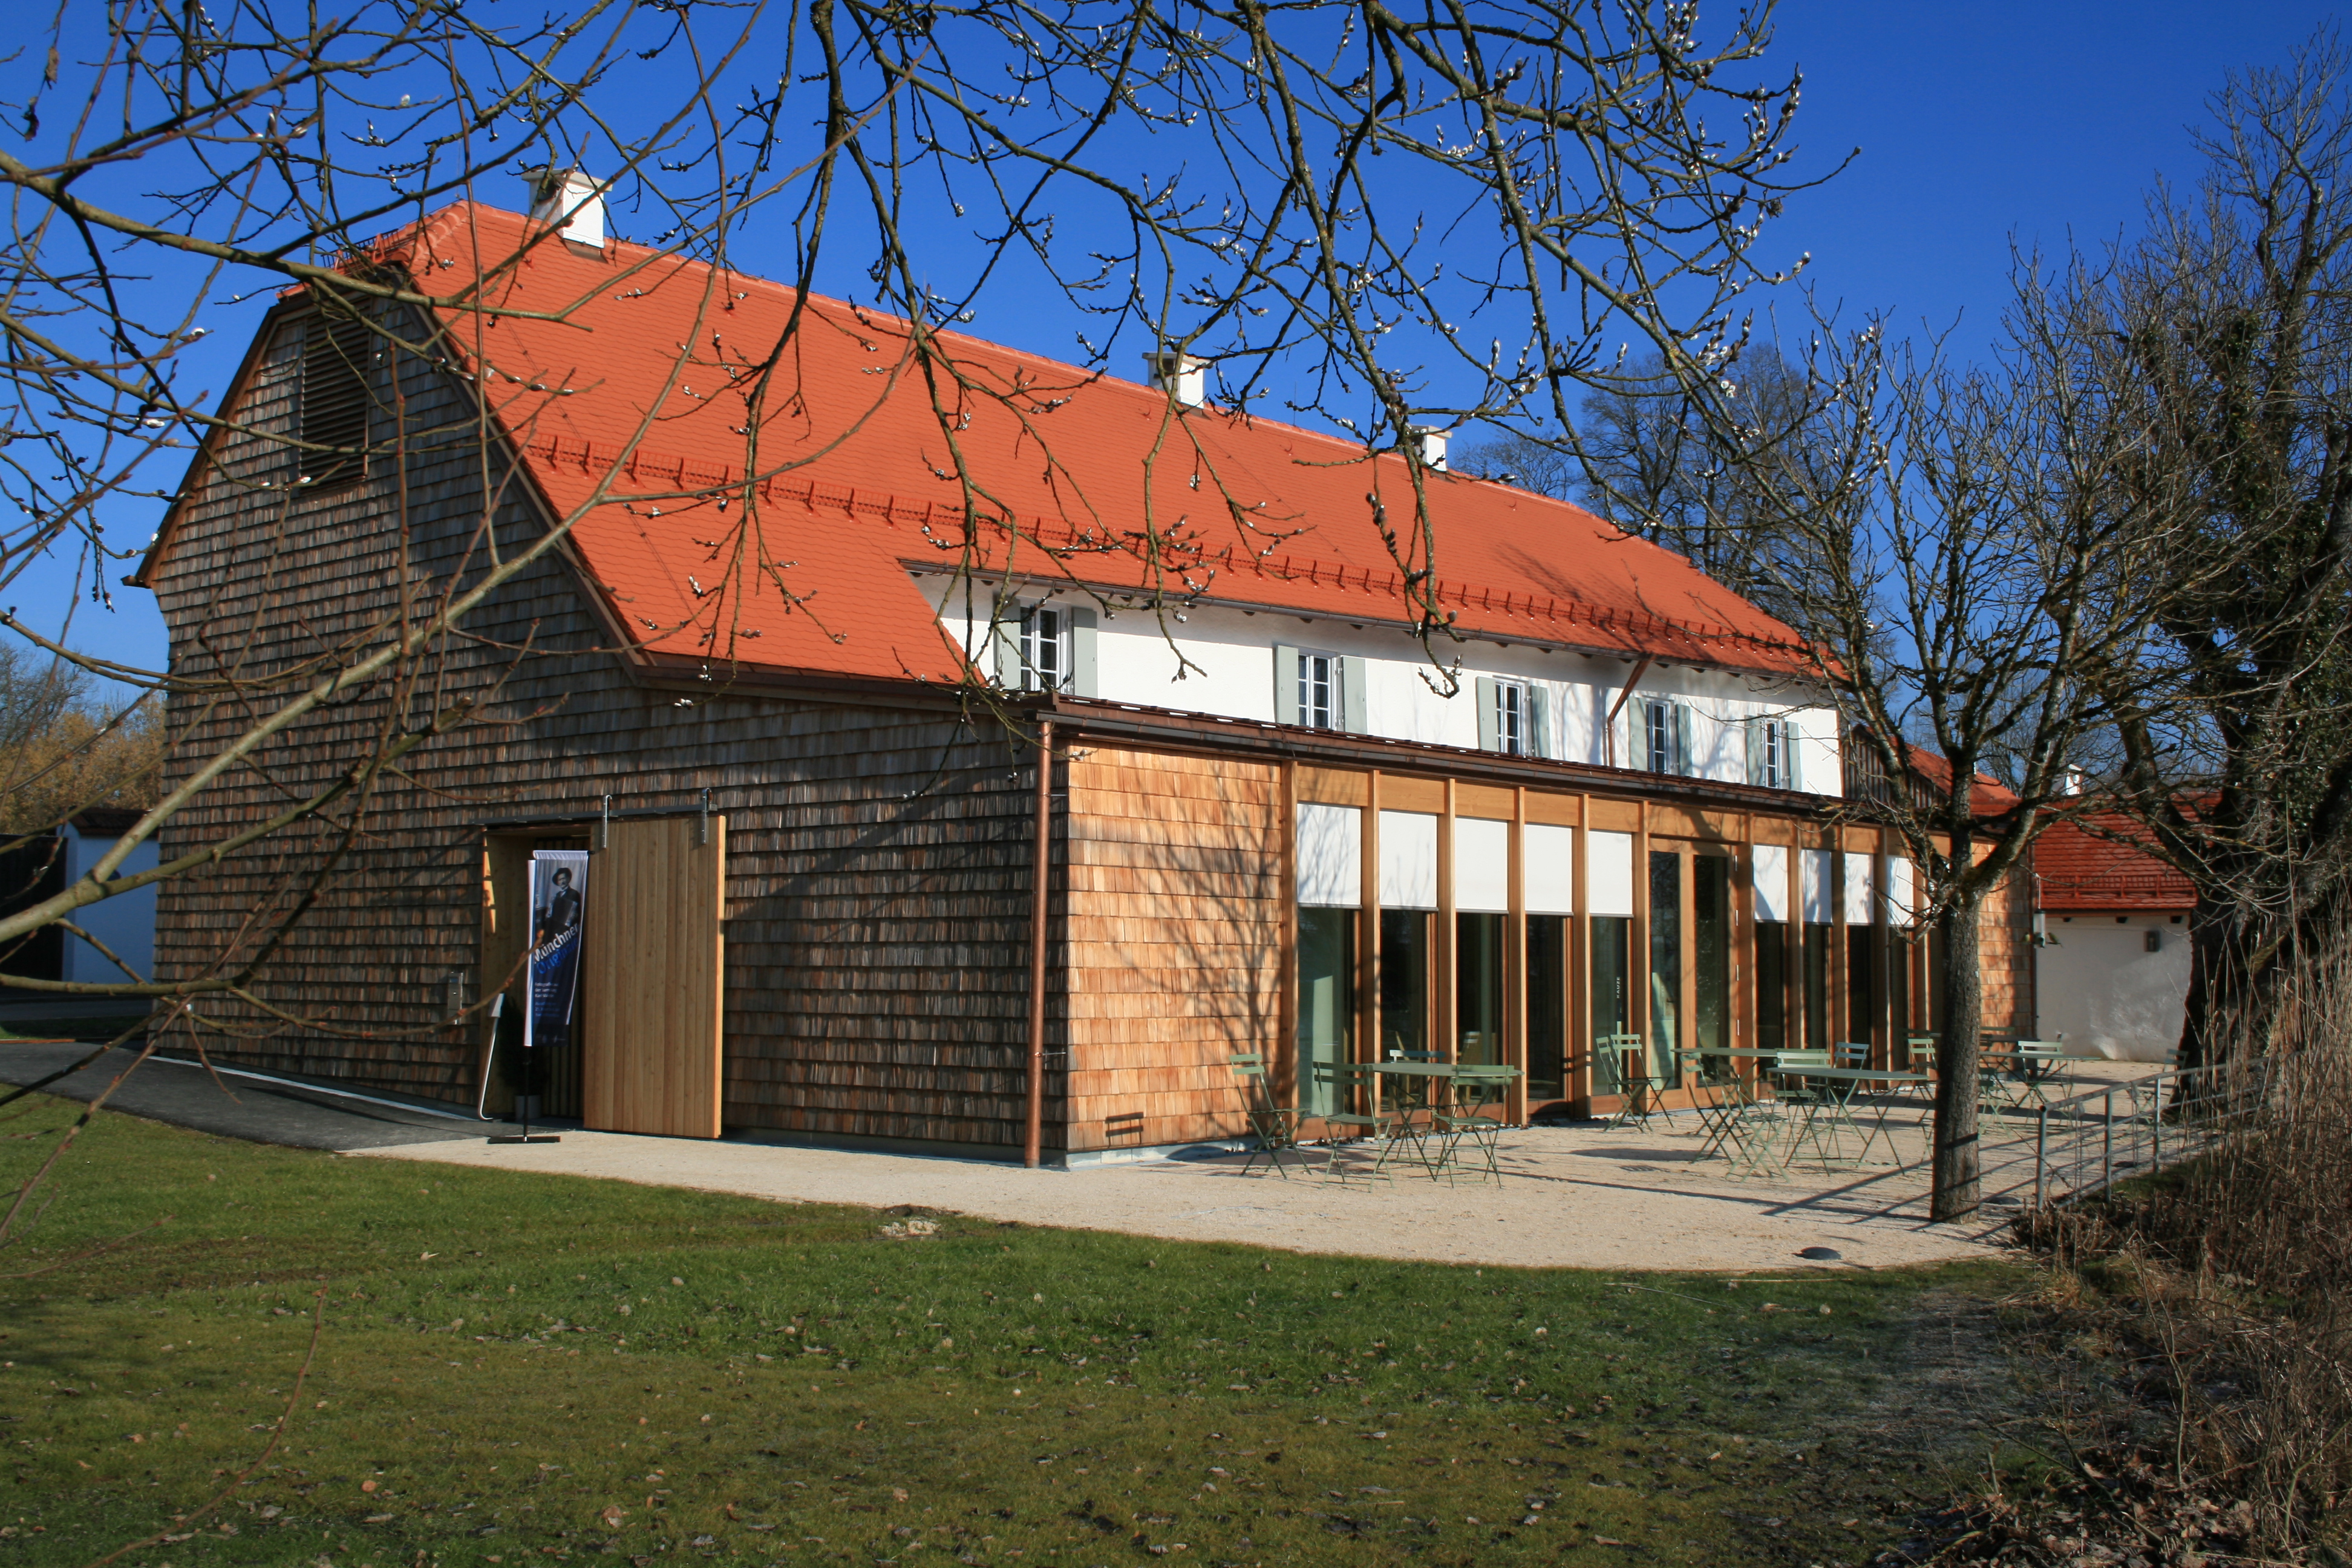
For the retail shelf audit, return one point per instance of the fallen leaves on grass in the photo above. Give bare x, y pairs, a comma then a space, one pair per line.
2132, 1510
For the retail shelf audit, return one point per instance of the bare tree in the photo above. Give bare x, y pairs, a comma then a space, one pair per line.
2228, 331
1954, 547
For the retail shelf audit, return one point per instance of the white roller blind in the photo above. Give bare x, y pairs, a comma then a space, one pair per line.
1609, 880
1771, 881
1408, 860
1901, 890
1330, 856
1548, 871
1482, 864
1815, 886
1861, 889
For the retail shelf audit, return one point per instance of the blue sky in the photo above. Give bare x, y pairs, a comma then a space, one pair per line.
1975, 124
1979, 121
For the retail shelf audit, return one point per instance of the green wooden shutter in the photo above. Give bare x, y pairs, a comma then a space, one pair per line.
1793, 771
1005, 633
1683, 754
1489, 721
1082, 654
1756, 759
1285, 684
1637, 735
1537, 718
1352, 696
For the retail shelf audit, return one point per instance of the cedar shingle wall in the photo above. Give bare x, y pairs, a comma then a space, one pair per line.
1175, 912
879, 879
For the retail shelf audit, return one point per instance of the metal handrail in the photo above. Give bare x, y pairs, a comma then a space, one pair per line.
2215, 1101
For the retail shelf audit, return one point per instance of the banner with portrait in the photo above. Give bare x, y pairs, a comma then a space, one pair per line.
559, 895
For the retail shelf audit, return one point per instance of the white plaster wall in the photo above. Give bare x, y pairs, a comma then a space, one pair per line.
2105, 992
1222, 662
125, 923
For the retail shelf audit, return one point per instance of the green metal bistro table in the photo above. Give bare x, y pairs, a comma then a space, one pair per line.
1841, 1106
1435, 1081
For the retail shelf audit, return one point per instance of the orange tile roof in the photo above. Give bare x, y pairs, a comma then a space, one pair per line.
1987, 797
857, 453
2096, 865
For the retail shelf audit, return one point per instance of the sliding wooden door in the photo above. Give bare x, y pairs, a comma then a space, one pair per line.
650, 985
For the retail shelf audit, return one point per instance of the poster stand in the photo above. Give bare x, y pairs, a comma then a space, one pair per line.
558, 879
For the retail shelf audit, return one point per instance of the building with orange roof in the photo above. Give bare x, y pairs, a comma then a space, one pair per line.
2113, 973
1326, 783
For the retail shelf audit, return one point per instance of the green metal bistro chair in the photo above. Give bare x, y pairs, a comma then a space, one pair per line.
1381, 1129
1724, 1103
1274, 1128
1921, 1050
1792, 1093
1635, 1089
1464, 1123
2039, 1062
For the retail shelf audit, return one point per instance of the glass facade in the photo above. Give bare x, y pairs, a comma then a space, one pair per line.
1665, 1036
1547, 1007
1711, 954
1817, 989
1479, 987
1547, 993
1406, 955
1326, 1001
1612, 980
1861, 1014
1772, 986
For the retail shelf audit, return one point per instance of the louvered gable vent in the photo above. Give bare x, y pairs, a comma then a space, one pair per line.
336, 348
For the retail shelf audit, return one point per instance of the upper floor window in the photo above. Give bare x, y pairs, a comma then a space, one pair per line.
1320, 704
1044, 649
1772, 754
336, 350
1048, 648
1511, 718
1664, 737
1320, 690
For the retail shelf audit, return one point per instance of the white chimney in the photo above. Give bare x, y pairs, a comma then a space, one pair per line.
1430, 444
572, 201
1180, 373
2070, 782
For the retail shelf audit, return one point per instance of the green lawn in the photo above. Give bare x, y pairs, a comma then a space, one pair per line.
514, 1367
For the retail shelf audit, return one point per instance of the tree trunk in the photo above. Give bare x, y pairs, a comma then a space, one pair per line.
1954, 1166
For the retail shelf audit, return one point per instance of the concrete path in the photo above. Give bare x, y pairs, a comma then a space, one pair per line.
233, 1106
1581, 1197
1573, 1199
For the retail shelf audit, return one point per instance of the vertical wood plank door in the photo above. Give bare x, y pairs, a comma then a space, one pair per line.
650, 981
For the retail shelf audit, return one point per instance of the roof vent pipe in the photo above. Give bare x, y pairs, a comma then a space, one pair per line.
572, 201
2070, 780
1430, 444
1179, 374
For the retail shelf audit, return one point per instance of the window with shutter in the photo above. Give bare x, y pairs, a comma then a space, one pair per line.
1044, 649
336, 349
1667, 733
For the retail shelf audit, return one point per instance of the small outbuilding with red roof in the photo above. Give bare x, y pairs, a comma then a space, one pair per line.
1347, 755
2111, 974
